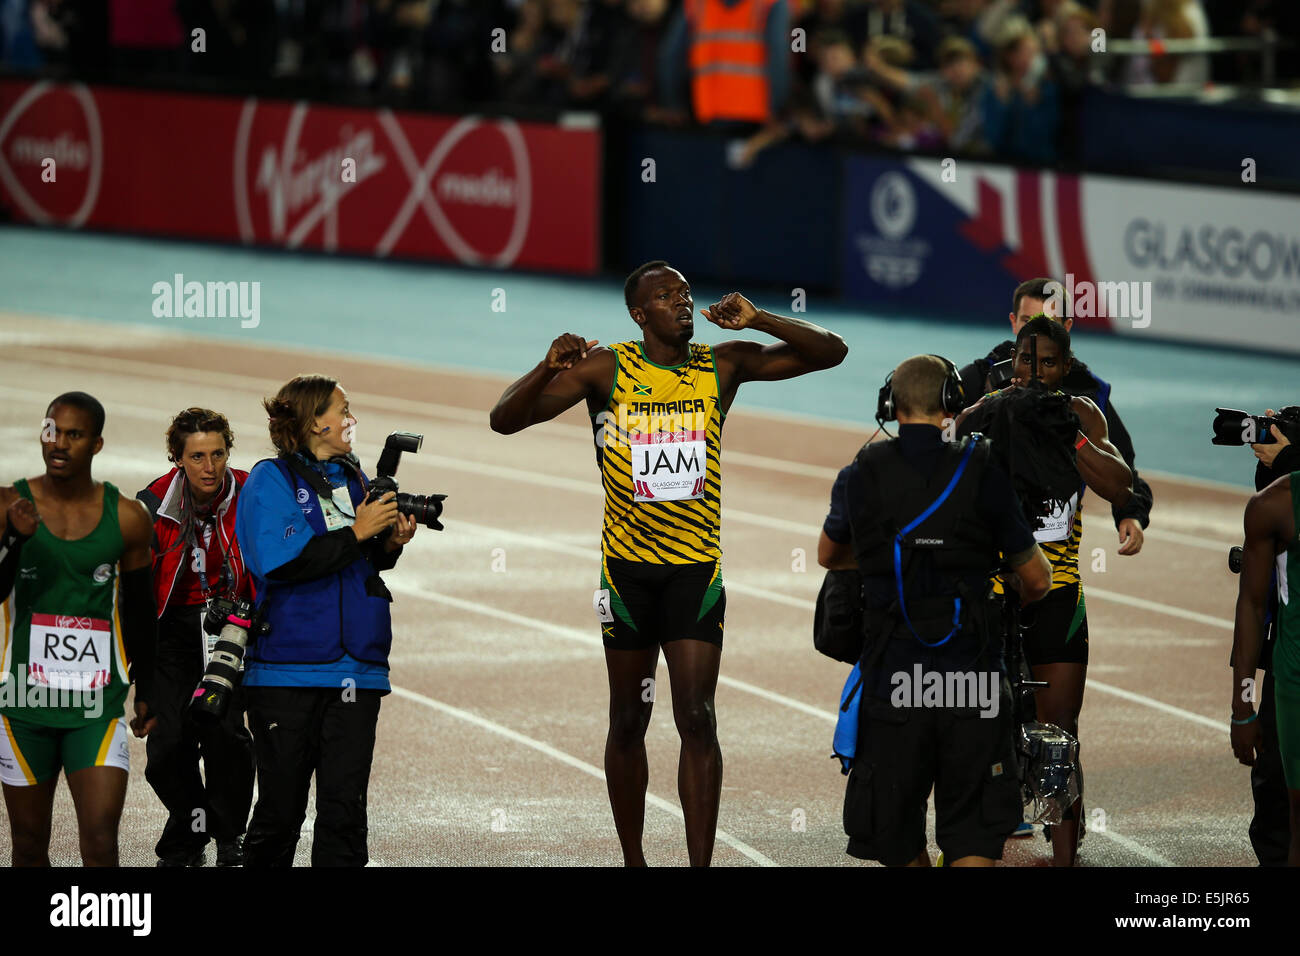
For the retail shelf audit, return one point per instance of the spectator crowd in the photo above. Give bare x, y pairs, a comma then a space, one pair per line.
1000, 78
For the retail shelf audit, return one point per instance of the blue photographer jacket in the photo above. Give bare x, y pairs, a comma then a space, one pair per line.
325, 629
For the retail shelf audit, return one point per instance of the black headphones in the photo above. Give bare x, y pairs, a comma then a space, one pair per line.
952, 398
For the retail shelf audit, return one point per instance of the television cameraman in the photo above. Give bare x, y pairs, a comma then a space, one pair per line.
315, 546
1270, 826
195, 559
1044, 296
952, 509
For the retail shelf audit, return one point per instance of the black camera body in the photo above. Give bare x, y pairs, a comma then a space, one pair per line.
234, 623
425, 508
1001, 373
1235, 427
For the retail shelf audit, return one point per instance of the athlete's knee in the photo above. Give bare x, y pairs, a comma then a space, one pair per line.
99, 846
627, 726
696, 721
31, 847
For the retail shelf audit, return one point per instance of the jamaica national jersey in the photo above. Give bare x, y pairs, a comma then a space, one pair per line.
1059, 541
658, 440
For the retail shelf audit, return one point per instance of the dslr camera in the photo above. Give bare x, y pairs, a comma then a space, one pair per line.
1235, 427
234, 624
425, 508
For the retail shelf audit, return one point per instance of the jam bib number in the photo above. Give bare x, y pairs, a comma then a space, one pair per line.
669, 466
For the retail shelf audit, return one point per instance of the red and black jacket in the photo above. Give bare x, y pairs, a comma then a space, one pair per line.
164, 499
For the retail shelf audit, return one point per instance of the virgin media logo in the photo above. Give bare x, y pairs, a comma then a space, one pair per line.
378, 184
58, 123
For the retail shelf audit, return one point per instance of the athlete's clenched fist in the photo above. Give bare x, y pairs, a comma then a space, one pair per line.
732, 311
567, 350
22, 517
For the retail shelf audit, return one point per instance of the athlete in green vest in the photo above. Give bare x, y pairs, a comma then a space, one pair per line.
1272, 521
78, 619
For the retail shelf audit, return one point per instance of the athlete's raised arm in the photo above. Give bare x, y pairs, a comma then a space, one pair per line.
573, 369
1100, 463
803, 348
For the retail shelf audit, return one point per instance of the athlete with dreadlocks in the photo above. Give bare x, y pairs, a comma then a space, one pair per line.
196, 558
1054, 446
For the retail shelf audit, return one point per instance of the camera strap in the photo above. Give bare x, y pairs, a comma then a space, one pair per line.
319, 483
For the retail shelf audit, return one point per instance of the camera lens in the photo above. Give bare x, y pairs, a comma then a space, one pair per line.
426, 509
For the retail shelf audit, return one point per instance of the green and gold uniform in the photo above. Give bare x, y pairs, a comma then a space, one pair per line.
65, 668
1286, 649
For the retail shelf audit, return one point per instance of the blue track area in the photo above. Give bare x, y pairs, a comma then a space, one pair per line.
446, 317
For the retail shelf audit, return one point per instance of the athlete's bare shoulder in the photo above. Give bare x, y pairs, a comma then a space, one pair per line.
133, 518
1089, 414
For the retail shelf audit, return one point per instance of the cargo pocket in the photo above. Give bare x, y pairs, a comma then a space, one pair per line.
1001, 808
859, 803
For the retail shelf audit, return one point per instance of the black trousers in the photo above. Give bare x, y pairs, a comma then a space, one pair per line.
196, 812
1270, 827
299, 731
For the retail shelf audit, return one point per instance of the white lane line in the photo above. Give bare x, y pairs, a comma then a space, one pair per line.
400, 586
153, 372
1177, 537
540, 746
397, 584
502, 536
1218, 726
1134, 847
1115, 597
573, 634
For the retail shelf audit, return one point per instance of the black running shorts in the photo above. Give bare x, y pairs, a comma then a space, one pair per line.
643, 605
1055, 629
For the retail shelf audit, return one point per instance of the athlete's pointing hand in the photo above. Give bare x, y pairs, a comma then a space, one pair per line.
567, 351
732, 311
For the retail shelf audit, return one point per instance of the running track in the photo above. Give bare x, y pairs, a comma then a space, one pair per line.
489, 749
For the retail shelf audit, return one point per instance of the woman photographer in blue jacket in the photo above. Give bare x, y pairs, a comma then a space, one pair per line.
315, 547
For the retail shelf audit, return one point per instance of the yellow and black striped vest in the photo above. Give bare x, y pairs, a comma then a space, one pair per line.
659, 439
1063, 553
1060, 548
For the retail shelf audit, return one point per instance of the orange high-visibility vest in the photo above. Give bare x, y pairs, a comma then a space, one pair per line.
728, 59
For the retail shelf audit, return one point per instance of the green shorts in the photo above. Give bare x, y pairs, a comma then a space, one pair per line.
33, 753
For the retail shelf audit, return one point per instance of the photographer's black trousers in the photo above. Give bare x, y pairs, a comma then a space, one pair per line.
196, 812
298, 731
1270, 827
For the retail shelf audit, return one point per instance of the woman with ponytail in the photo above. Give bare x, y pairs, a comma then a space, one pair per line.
315, 547
196, 558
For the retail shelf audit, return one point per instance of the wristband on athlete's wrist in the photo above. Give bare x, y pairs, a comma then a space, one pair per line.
11, 540
1241, 723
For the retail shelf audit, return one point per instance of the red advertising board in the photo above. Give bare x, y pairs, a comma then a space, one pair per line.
476, 190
